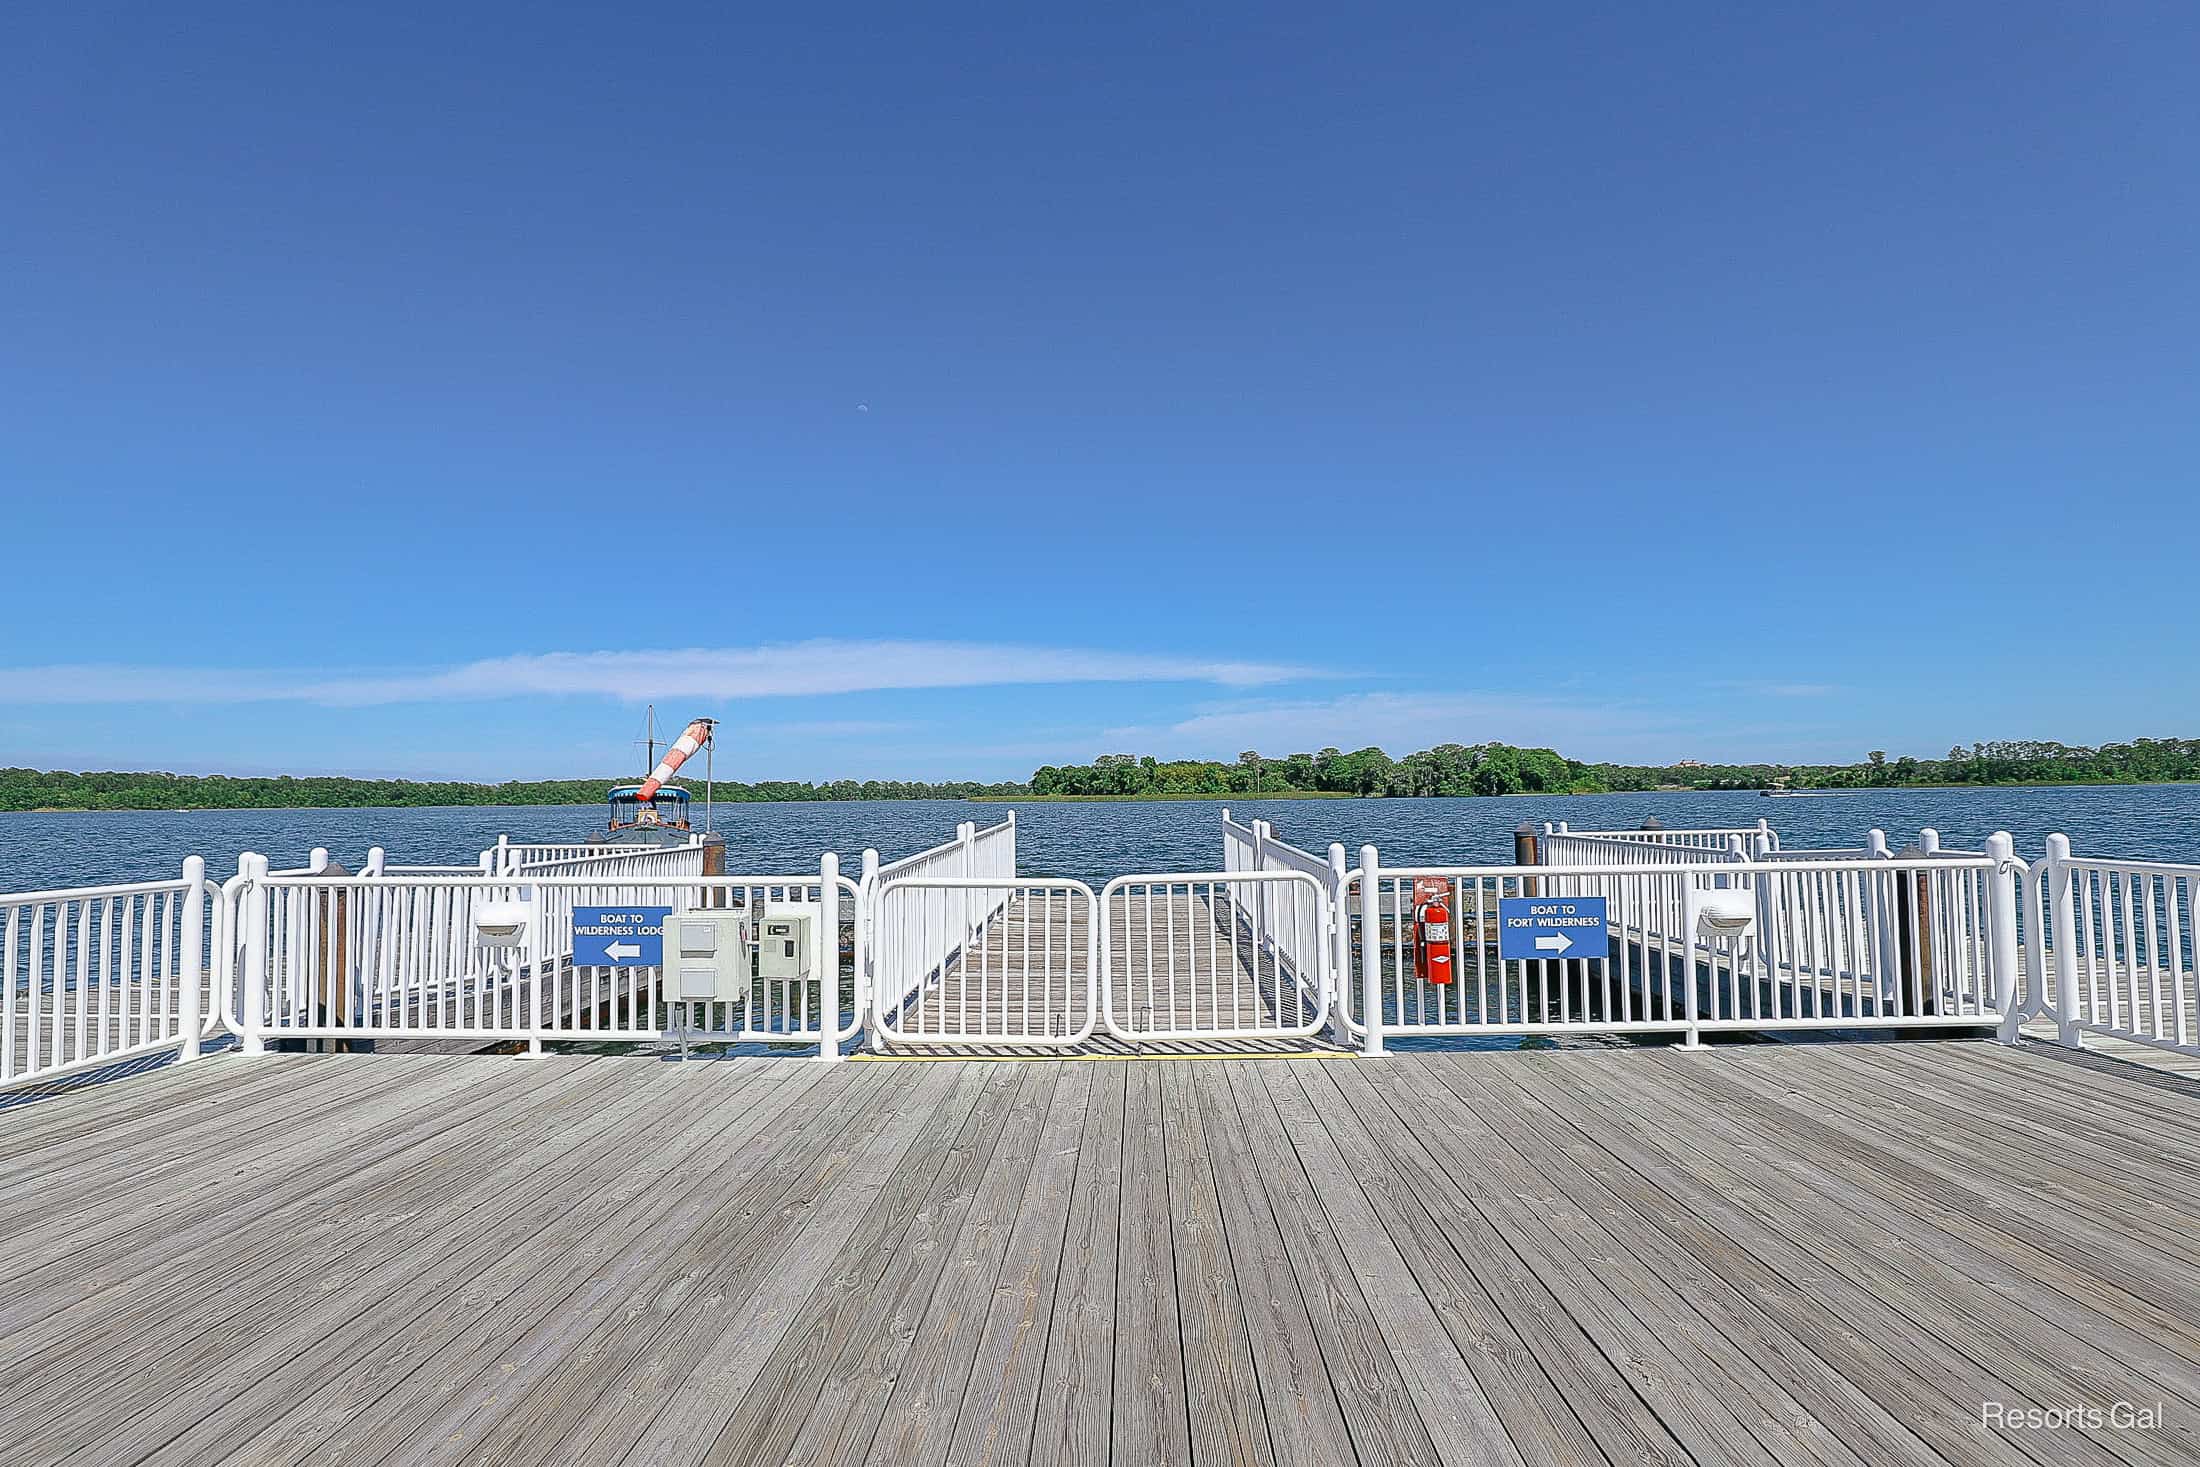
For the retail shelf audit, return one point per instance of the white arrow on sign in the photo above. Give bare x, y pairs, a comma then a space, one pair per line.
1556, 944
618, 950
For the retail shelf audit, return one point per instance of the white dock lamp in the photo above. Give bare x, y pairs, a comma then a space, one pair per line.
502, 924
1714, 912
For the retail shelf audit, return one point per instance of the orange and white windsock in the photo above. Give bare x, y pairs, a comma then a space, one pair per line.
686, 744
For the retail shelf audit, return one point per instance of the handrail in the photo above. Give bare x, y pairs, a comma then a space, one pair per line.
94, 975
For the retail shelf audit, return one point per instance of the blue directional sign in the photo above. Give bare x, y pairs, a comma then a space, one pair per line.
619, 937
1551, 927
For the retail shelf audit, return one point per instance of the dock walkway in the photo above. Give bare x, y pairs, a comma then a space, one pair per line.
1788, 1254
1182, 973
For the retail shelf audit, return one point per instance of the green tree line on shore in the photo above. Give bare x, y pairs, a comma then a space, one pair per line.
1447, 769
32, 789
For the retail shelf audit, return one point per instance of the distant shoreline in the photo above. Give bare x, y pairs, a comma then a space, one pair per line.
1149, 799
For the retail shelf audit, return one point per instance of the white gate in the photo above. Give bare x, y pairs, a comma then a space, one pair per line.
1215, 955
986, 961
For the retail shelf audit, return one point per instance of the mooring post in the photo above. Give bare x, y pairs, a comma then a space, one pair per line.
825, 943
1371, 953
2062, 934
2002, 936
1526, 853
191, 943
253, 906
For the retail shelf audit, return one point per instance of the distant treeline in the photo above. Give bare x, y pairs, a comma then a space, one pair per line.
2007, 761
1501, 769
31, 789
1447, 769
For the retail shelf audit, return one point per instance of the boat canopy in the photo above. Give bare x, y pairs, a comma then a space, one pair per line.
668, 809
632, 792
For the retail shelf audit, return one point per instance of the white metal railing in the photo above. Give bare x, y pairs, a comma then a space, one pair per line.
366, 957
1703, 838
648, 875
93, 975
1562, 847
2113, 943
899, 969
1305, 939
1216, 955
990, 960
1834, 943
507, 853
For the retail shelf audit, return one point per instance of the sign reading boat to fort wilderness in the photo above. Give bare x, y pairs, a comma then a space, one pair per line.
1551, 927
619, 937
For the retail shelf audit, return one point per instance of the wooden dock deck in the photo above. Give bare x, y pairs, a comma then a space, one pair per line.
1783, 1254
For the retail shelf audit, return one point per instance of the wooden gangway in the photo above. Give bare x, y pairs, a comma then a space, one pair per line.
1776, 1254
1181, 968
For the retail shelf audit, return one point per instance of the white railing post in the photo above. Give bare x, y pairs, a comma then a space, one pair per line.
966, 839
1884, 912
1340, 947
826, 942
1928, 841
2062, 939
376, 860
540, 966
504, 856
1259, 915
253, 868
1371, 954
191, 951
867, 946
2002, 935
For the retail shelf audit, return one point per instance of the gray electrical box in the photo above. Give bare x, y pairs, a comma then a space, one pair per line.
707, 955
783, 941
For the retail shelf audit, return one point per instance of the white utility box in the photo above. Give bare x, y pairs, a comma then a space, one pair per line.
785, 937
707, 955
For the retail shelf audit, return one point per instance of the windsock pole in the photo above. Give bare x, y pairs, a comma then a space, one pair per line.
698, 734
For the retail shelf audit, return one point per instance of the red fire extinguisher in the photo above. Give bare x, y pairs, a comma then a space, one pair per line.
1432, 948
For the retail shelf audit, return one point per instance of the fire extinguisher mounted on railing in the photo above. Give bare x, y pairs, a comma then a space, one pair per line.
1432, 931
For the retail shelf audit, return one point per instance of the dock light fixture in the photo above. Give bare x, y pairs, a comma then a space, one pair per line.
502, 924
1721, 911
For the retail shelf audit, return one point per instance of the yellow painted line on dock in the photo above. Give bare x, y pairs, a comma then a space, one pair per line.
1219, 1054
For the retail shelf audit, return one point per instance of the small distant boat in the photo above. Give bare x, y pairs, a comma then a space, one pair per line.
1798, 794
654, 812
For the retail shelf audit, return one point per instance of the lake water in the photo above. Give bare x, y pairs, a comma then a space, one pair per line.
1096, 841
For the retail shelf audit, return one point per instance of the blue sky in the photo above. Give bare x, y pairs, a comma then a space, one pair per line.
931, 391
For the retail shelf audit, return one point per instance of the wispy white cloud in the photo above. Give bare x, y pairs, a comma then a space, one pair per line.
789, 669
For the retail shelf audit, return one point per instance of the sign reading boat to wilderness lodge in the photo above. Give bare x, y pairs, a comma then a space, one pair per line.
619, 937
1551, 927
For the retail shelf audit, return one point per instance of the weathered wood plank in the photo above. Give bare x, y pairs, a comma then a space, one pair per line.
1557, 1395
504, 1367
1222, 1403
1853, 1281
1076, 1401
1370, 1387
520, 1224
1306, 1424
680, 1424
1150, 1425
993, 1425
